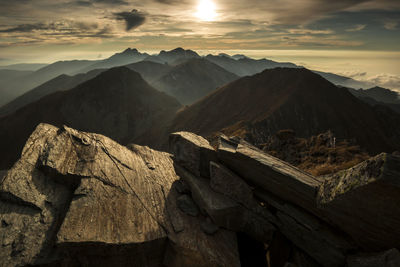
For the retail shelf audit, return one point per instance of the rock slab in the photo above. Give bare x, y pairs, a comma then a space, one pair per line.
77, 198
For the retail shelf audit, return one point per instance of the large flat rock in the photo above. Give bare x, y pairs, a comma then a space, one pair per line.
77, 198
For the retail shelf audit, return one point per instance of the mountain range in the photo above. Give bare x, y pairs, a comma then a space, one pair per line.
21, 78
142, 102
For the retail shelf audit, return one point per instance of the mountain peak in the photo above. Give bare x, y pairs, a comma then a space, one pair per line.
130, 50
380, 89
118, 75
178, 49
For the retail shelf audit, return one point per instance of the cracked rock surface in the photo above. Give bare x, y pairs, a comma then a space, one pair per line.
77, 198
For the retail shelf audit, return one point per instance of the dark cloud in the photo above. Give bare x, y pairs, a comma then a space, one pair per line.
132, 19
62, 26
170, 2
111, 2
86, 3
82, 3
28, 28
56, 32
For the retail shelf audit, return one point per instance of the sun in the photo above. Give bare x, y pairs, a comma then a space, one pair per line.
206, 10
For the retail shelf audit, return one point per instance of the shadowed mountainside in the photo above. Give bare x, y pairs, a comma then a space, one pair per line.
60, 83
150, 70
193, 79
117, 103
257, 107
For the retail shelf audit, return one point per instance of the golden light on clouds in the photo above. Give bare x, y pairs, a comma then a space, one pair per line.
206, 10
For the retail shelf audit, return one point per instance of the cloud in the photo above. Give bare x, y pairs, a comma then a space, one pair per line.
386, 80
309, 31
132, 19
288, 12
390, 25
111, 2
355, 74
357, 28
57, 32
58, 26
82, 3
88, 3
170, 2
317, 41
27, 28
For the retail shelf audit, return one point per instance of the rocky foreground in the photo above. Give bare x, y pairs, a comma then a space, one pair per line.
81, 199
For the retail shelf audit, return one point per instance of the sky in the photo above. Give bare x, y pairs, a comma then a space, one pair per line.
48, 30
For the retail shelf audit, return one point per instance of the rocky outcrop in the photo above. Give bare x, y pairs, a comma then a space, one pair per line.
319, 217
76, 198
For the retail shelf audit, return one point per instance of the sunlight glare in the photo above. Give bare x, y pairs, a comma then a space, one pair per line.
206, 10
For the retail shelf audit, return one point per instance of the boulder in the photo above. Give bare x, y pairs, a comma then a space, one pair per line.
192, 152
77, 198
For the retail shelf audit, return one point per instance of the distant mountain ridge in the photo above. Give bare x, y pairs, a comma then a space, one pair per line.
193, 79
128, 56
379, 94
60, 83
24, 66
243, 66
239, 65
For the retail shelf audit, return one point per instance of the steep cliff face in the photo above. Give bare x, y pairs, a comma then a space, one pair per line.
76, 198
